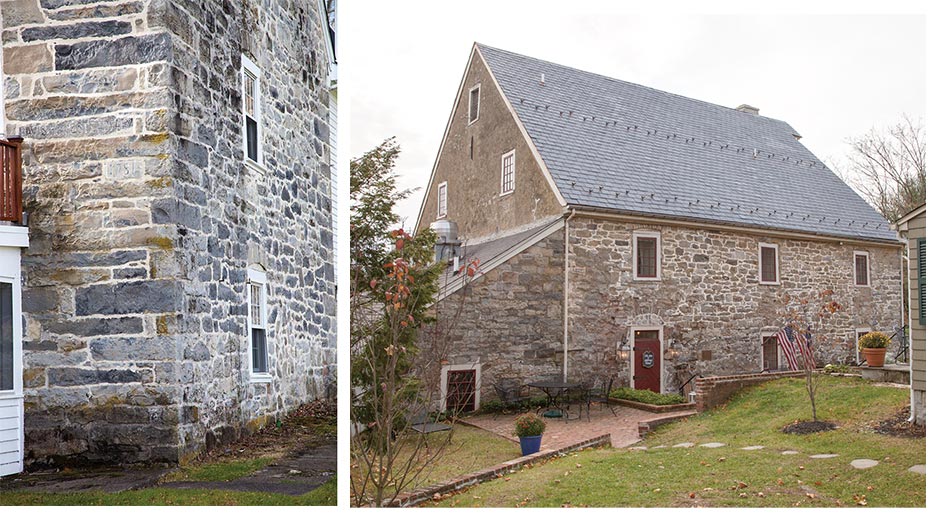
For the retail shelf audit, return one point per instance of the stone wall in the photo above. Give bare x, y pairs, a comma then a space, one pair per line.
144, 219
710, 303
714, 391
510, 319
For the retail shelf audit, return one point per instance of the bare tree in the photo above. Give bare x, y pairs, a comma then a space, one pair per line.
888, 168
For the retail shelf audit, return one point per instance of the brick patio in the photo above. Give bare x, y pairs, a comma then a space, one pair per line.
623, 428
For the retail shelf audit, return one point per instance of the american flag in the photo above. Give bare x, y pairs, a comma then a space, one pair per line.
796, 347
786, 336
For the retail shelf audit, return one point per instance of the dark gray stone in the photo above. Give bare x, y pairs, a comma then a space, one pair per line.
133, 349
96, 326
77, 31
130, 297
83, 376
117, 52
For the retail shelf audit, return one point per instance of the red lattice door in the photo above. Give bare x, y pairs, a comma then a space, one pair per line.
461, 390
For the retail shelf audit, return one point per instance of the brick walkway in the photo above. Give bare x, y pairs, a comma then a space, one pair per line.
623, 428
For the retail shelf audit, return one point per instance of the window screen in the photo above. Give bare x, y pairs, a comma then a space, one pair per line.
768, 264
646, 257
6, 336
861, 270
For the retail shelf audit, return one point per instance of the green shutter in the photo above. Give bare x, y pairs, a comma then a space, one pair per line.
920, 243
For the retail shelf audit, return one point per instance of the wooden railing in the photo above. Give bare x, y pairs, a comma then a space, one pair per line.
11, 180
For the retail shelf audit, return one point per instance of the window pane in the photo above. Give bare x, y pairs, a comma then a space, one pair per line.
508, 169
768, 264
252, 147
255, 298
249, 101
861, 269
770, 353
443, 200
6, 336
474, 104
258, 339
646, 257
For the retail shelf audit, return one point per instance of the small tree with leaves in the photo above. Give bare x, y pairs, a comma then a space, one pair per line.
810, 315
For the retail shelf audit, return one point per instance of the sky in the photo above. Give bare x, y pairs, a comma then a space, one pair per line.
833, 77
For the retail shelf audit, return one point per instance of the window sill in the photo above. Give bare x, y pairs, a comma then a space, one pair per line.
253, 165
647, 278
261, 378
505, 193
770, 283
861, 285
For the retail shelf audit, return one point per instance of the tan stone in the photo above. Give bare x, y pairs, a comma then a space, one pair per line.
27, 59
20, 12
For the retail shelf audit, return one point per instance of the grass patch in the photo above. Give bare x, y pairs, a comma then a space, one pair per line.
324, 495
647, 396
221, 471
732, 477
470, 449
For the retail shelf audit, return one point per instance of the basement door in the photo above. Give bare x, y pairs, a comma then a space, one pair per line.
647, 360
11, 376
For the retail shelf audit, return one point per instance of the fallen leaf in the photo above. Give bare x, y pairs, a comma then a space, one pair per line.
721, 460
810, 495
741, 484
657, 490
801, 467
743, 494
577, 465
760, 494
691, 495
870, 488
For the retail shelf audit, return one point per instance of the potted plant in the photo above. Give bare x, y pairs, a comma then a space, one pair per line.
529, 429
873, 346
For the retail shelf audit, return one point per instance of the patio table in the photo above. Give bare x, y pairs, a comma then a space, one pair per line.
552, 390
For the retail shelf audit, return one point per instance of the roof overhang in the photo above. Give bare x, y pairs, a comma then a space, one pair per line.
903, 223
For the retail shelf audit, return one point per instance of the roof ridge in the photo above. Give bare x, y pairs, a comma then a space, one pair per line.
608, 77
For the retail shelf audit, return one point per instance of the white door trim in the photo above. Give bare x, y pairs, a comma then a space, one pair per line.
662, 363
443, 402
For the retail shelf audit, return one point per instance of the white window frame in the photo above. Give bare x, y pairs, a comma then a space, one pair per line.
442, 209
780, 357
662, 357
857, 333
866, 255
759, 260
470, 94
247, 69
511, 154
647, 234
443, 402
258, 277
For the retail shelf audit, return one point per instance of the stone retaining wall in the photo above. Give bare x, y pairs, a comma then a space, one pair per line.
714, 391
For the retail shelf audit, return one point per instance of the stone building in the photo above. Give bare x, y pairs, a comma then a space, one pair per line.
631, 233
912, 228
178, 285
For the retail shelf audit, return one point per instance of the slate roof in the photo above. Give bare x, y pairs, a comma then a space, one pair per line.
614, 145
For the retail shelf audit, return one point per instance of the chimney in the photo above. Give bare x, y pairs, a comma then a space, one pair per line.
746, 108
447, 245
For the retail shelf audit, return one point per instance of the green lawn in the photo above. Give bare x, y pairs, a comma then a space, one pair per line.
471, 449
729, 476
325, 495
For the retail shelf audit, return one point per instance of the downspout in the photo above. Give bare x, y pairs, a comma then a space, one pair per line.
565, 304
907, 291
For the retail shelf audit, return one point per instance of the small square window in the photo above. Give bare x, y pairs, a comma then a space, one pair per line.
508, 172
769, 263
443, 200
474, 104
647, 258
861, 269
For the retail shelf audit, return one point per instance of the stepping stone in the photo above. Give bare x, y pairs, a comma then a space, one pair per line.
788, 453
864, 463
823, 456
752, 448
684, 445
713, 445
660, 447
639, 448
918, 469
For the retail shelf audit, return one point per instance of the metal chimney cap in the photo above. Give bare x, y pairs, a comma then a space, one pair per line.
747, 108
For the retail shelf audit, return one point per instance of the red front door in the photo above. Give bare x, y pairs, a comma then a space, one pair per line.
647, 360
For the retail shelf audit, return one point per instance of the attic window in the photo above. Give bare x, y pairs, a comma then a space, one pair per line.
508, 172
474, 104
769, 263
861, 269
443, 200
252, 130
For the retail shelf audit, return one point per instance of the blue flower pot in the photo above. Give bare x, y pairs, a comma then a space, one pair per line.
530, 444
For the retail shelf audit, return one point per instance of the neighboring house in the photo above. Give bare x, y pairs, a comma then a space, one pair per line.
625, 231
178, 285
912, 228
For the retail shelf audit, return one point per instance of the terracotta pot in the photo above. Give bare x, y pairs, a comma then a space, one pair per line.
874, 357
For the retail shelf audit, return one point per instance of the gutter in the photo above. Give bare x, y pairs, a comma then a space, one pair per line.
565, 304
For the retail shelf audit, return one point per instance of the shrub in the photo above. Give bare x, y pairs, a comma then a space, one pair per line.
647, 396
529, 424
837, 369
873, 340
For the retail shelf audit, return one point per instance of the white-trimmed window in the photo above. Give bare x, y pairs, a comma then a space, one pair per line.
474, 104
252, 129
256, 323
8, 351
861, 268
771, 359
769, 263
508, 172
647, 256
443, 200
460, 387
